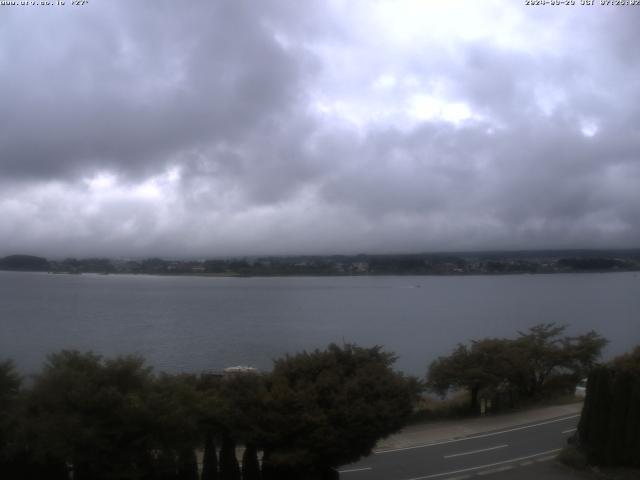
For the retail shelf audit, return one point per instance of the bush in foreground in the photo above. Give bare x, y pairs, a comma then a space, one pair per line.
328, 408
609, 428
106, 419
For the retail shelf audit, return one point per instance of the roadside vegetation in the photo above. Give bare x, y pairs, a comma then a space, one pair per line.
609, 430
89, 418
503, 373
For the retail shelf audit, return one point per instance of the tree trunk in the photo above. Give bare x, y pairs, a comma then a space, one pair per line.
475, 390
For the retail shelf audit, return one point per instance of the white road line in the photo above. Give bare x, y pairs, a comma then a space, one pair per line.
485, 435
496, 470
354, 470
480, 467
475, 451
570, 430
545, 459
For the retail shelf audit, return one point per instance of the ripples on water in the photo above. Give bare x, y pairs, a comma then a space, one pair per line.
199, 323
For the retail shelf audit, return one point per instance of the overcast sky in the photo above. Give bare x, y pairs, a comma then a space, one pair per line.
208, 128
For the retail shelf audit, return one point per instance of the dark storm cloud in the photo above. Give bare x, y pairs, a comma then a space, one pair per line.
537, 175
306, 127
125, 85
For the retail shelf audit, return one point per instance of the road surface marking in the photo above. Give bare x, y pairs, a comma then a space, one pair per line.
496, 470
524, 464
489, 465
474, 437
351, 470
475, 451
545, 459
570, 430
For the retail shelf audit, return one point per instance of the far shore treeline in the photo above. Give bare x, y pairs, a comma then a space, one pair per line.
470, 263
91, 418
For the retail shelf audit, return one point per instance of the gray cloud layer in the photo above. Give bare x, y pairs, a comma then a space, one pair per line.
299, 127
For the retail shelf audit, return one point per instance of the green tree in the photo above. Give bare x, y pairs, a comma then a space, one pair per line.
209, 458
229, 467
485, 366
609, 428
232, 408
187, 465
629, 362
175, 404
250, 464
17, 458
167, 465
330, 407
540, 361
92, 414
544, 353
10, 383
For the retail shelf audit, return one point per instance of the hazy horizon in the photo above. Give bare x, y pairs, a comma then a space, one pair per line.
219, 129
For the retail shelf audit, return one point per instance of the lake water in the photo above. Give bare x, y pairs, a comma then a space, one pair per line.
199, 323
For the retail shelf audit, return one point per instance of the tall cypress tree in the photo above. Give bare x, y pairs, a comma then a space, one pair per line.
631, 433
187, 465
585, 425
210, 458
32, 469
250, 464
609, 429
602, 415
615, 438
229, 468
147, 465
594, 428
167, 468
267, 472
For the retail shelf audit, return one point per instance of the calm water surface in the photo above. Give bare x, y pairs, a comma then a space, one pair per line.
197, 323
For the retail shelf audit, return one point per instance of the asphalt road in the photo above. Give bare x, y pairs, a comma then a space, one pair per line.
484, 455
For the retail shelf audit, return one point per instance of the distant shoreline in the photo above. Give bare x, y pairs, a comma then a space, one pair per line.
328, 275
421, 264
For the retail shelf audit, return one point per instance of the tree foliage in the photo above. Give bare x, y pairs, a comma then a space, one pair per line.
101, 406
10, 383
107, 419
330, 407
609, 428
539, 361
209, 458
250, 463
